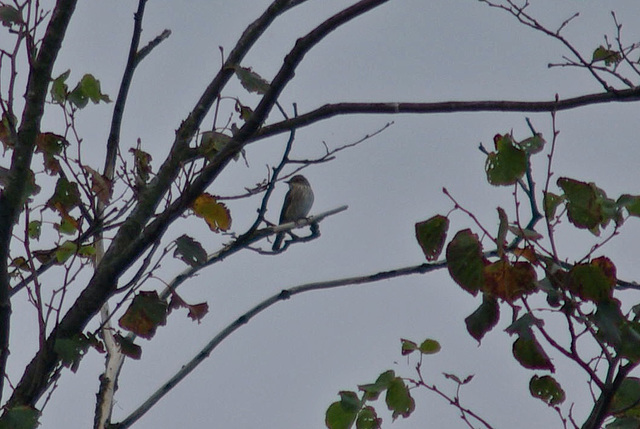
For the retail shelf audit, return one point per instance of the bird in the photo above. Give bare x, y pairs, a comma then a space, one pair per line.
297, 204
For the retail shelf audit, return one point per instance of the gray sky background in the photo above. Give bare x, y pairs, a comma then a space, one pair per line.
287, 365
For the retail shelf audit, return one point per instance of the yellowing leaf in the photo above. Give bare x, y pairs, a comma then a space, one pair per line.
509, 281
142, 165
212, 142
65, 197
51, 146
609, 56
100, 185
547, 389
214, 213
145, 314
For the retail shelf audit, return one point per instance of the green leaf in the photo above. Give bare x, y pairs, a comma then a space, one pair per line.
20, 417
631, 203
350, 400
65, 197
523, 325
71, 350
337, 417
368, 419
190, 251
145, 314
547, 389
583, 209
65, 251
594, 281
609, 320
530, 354
382, 383
532, 145
250, 80
34, 229
244, 111
408, 347
212, 142
484, 318
87, 89
68, 225
630, 344
624, 423
507, 165
59, 88
465, 261
627, 396
87, 251
10, 15
429, 347
607, 55
551, 202
431, 235
399, 399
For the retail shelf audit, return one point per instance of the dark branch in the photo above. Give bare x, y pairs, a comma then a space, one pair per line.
330, 110
124, 250
12, 197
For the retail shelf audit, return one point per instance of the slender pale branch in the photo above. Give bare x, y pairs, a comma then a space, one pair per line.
259, 308
115, 358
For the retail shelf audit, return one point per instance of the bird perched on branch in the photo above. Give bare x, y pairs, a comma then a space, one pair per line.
297, 204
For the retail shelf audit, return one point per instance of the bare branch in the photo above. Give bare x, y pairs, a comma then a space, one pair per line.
11, 199
122, 251
330, 110
259, 308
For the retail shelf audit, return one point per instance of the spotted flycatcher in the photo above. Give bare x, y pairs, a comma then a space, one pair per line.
297, 204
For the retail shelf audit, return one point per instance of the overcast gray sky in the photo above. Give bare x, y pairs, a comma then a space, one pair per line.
285, 367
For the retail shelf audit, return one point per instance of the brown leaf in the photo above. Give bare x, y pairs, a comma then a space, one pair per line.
100, 185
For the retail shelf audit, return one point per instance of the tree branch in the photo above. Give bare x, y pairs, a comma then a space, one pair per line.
114, 358
259, 308
600, 410
124, 251
12, 197
330, 110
